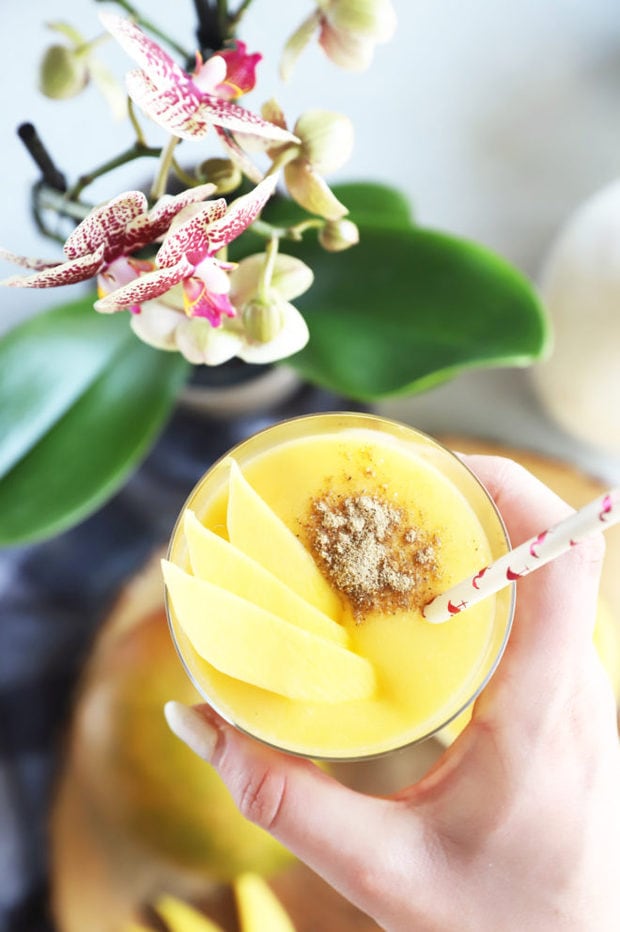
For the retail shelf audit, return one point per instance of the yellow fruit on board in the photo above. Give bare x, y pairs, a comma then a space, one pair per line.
607, 643
257, 531
216, 560
144, 785
259, 908
257, 647
180, 917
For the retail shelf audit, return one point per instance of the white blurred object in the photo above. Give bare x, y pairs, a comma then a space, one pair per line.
579, 384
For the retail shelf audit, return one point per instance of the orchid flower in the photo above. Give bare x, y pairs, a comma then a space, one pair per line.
325, 144
348, 31
187, 105
188, 257
104, 241
282, 332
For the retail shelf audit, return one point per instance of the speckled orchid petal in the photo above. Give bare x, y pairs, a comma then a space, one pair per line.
290, 278
145, 288
312, 192
65, 273
147, 228
200, 302
161, 67
174, 111
27, 262
238, 156
172, 98
121, 272
291, 338
106, 226
190, 238
239, 120
189, 115
240, 214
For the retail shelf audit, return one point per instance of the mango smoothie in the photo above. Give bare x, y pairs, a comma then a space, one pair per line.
296, 578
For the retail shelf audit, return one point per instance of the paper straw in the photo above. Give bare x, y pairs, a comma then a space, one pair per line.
599, 515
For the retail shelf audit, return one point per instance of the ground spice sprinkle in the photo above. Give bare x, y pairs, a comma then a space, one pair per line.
370, 553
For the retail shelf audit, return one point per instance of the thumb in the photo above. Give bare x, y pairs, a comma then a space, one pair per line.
346, 837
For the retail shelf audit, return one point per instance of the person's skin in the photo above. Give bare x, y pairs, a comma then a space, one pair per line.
517, 827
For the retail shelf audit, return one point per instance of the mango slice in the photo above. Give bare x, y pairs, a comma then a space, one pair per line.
180, 917
258, 907
255, 646
262, 535
217, 561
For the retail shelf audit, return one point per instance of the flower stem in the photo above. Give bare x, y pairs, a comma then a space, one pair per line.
293, 233
138, 150
184, 176
236, 17
133, 119
271, 253
165, 166
50, 175
210, 32
142, 21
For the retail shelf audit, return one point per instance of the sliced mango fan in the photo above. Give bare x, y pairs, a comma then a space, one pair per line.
259, 910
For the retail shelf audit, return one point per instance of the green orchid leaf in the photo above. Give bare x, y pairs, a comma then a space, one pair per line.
406, 309
372, 204
81, 402
368, 202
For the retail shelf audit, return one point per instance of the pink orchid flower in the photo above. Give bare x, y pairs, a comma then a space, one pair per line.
187, 105
103, 242
188, 257
240, 75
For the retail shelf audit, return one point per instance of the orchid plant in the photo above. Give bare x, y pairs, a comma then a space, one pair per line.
210, 273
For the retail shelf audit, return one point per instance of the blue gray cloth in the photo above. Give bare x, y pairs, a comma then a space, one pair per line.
53, 596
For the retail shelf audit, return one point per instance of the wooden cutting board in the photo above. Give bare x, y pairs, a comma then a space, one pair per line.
88, 893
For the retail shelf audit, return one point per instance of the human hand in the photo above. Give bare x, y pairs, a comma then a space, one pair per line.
517, 826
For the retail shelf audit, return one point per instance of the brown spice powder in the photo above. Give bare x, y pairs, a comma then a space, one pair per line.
370, 554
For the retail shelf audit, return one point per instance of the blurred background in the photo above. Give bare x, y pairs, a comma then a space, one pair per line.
496, 120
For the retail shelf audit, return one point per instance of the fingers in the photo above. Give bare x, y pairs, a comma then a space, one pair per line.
556, 605
347, 838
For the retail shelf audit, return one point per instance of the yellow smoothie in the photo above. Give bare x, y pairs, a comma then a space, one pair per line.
296, 578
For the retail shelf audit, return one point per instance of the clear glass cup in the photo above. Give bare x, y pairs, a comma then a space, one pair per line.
426, 674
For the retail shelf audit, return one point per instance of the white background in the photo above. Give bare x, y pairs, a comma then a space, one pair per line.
495, 118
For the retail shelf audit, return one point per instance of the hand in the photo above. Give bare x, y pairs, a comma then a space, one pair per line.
517, 827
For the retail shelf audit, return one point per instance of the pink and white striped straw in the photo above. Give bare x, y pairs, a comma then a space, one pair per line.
599, 515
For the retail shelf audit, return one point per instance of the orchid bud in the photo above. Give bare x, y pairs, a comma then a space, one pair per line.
224, 174
63, 73
338, 235
262, 321
327, 139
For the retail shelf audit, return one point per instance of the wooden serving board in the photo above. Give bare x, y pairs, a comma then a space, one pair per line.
88, 889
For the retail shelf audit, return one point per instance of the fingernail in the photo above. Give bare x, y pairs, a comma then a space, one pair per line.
190, 726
